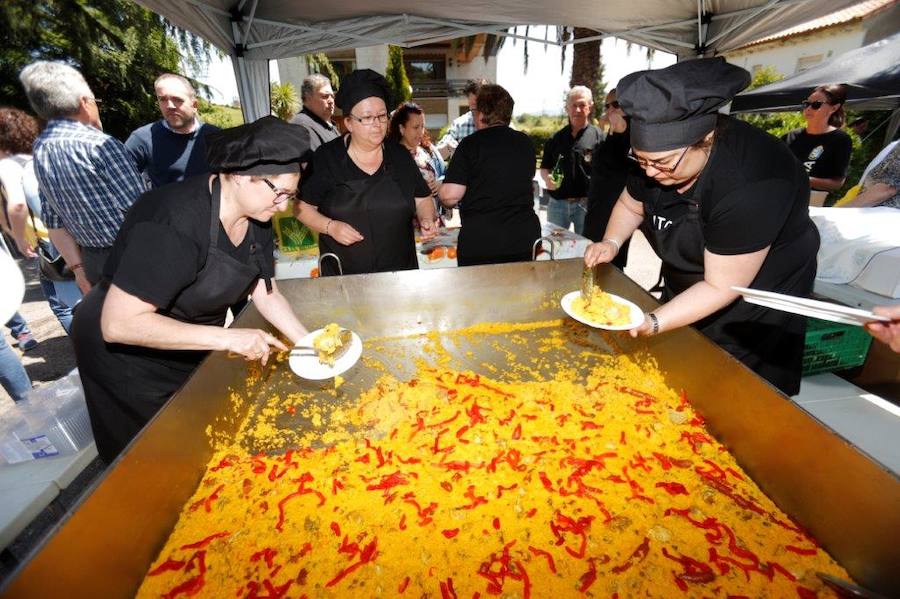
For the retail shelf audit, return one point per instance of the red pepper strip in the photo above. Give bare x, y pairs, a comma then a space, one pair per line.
336, 529
771, 568
508, 419
268, 554
259, 465
363, 459
622, 438
517, 433
646, 399
501, 488
695, 439
805, 593
447, 591
673, 488
367, 555
450, 533
224, 463
409, 460
169, 564
402, 525
204, 542
530, 513
301, 490
335, 485
349, 548
546, 481
389, 481
546, 554
272, 592
436, 449
694, 571
194, 585
801, 550
307, 547
461, 432
420, 426
589, 577
496, 523
637, 556
667, 462
475, 499
474, 412
590, 425
443, 422
402, 588
461, 466
424, 513
445, 485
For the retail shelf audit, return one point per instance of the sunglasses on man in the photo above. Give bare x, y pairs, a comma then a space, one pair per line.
815, 105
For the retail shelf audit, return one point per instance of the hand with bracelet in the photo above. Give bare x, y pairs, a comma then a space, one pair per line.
649, 327
342, 232
601, 252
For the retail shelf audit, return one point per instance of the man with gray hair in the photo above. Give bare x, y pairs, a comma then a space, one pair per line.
86, 179
173, 147
566, 163
318, 108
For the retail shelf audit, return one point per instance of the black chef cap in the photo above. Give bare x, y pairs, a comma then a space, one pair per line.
675, 107
267, 146
359, 85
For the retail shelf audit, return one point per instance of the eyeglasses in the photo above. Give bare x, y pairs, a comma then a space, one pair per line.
613, 104
370, 119
815, 105
645, 164
280, 194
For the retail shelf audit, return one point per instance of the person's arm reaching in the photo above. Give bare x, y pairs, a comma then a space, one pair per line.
275, 308
887, 332
130, 320
627, 215
343, 233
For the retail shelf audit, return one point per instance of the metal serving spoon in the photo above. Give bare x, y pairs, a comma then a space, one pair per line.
345, 336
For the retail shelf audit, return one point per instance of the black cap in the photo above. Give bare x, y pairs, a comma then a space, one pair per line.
267, 146
675, 107
359, 85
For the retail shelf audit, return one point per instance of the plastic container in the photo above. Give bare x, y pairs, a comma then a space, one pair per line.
52, 422
830, 346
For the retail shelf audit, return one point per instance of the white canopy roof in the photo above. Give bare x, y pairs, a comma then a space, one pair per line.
254, 31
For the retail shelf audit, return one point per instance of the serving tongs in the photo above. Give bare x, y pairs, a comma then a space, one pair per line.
847, 590
345, 336
588, 275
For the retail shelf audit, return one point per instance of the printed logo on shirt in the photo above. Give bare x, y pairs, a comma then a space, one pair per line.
815, 153
661, 223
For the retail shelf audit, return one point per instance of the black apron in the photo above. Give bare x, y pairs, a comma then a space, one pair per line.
767, 341
374, 206
126, 385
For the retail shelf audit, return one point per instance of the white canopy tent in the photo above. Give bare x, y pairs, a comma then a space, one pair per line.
254, 31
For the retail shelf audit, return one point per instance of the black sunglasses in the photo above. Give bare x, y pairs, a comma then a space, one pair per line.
815, 105
613, 104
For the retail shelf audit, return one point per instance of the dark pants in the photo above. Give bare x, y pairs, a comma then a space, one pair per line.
474, 261
93, 260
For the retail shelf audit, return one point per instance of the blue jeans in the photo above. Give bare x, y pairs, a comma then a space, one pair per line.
62, 297
17, 325
13, 377
563, 213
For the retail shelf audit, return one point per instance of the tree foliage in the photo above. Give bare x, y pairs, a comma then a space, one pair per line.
401, 90
319, 63
284, 100
119, 47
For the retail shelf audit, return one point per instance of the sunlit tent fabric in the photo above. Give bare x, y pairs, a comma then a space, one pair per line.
872, 75
255, 31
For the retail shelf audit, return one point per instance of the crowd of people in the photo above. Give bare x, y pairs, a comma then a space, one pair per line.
163, 234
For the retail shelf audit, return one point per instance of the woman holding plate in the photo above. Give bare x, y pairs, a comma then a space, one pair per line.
723, 204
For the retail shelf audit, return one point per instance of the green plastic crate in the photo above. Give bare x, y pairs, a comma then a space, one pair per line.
830, 346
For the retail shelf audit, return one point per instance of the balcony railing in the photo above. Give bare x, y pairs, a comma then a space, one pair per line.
438, 88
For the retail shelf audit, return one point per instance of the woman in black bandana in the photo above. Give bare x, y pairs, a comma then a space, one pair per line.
723, 204
363, 191
186, 253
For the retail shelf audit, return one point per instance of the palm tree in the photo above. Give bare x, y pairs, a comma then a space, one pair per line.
284, 102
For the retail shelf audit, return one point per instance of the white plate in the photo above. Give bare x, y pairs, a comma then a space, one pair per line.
307, 365
807, 307
12, 286
637, 315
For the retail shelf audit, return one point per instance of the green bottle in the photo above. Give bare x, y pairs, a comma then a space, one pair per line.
556, 175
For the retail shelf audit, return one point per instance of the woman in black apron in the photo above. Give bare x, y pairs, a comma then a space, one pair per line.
363, 191
723, 204
184, 254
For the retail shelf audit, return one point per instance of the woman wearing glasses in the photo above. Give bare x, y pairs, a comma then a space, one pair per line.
363, 191
722, 203
822, 146
185, 253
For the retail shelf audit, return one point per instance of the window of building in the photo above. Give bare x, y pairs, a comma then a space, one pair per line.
805, 62
425, 69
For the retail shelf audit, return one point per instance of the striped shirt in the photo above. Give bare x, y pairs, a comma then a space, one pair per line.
87, 181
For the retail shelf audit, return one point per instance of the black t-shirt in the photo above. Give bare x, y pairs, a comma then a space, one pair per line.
826, 156
496, 165
331, 164
752, 193
576, 153
163, 243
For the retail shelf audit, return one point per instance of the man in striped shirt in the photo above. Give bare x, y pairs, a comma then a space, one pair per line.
86, 179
